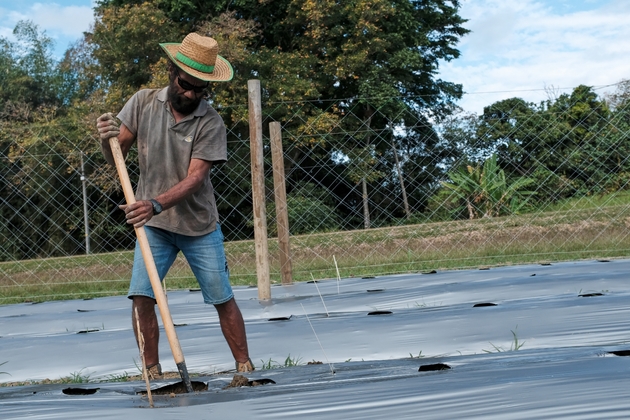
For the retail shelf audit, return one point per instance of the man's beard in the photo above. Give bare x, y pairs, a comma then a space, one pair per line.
180, 103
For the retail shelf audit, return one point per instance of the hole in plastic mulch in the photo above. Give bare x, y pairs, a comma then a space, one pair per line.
281, 318
80, 391
177, 388
241, 381
380, 313
482, 305
436, 366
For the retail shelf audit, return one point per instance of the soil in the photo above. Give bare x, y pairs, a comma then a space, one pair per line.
240, 380
178, 388
165, 375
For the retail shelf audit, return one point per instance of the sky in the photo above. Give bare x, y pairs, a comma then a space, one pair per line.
532, 49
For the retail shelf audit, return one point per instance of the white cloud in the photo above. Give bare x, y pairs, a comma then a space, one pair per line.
527, 45
70, 21
64, 23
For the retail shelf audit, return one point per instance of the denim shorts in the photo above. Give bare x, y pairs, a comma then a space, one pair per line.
205, 255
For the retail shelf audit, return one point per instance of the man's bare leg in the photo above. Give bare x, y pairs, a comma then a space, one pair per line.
148, 326
233, 328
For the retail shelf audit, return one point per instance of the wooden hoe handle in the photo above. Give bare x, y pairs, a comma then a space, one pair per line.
154, 277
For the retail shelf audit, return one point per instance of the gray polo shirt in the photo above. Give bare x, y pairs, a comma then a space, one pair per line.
164, 153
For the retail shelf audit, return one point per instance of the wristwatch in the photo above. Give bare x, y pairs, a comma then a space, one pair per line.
157, 207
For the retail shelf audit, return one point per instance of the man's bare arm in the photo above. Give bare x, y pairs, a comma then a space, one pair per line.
141, 212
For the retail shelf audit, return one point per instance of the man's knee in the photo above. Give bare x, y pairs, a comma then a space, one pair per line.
229, 308
144, 304
225, 305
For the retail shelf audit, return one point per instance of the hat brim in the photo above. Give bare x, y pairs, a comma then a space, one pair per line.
223, 71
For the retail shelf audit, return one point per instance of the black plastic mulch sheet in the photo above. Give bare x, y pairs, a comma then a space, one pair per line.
521, 342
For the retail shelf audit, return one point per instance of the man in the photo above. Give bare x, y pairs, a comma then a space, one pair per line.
180, 136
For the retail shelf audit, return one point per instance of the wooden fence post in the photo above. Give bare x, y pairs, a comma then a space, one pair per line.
258, 189
280, 193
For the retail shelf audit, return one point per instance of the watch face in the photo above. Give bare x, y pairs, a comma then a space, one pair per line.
157, 207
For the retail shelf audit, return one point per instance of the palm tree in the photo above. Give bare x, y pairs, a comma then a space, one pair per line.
485, 190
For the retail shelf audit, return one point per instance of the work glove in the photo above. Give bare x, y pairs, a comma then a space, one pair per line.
107, 126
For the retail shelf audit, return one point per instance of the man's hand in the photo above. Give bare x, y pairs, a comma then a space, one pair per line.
138, 213
107, 126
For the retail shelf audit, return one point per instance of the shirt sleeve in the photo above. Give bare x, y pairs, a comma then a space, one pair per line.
211, 140
130, 112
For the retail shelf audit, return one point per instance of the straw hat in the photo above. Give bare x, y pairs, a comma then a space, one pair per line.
198, 56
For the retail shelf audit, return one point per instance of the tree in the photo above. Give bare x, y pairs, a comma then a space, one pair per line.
126, 44
615, 139
28, 78
578, 153
309, 209
370, 51
308, 54
485, 191
37, 194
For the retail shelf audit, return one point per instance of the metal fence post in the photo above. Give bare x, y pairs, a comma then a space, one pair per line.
86, 222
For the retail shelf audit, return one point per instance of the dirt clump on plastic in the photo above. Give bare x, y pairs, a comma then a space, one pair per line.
165, 375
240, 381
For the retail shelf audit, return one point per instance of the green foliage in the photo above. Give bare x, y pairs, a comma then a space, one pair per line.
269, 364
300, 51
573, 145
75, 378
126, 41
485, 191
309, 209
515, 346
288, 362
35, 120
181, 11
122, 377
28, 78
363, 163
381, 57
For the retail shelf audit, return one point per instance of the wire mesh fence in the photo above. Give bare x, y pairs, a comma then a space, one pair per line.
373, 186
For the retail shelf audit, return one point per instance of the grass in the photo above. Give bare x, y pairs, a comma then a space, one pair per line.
588, 228
81, 378
4, 373
515, 346
288, 362
75, 378
593, 201
123, 377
